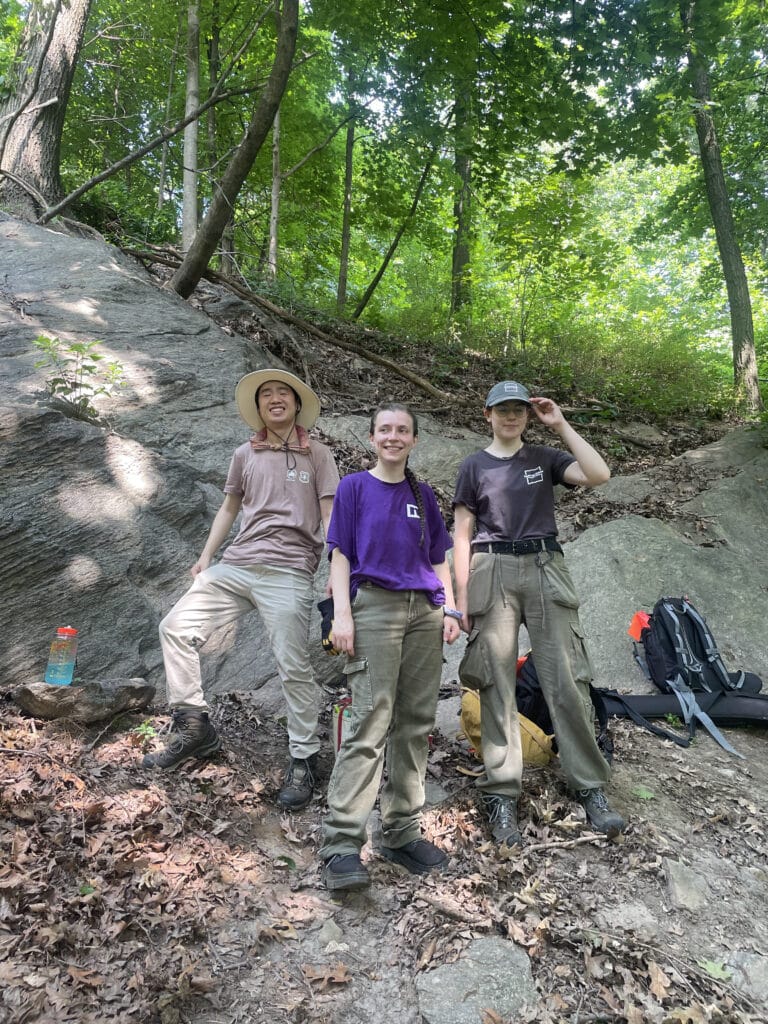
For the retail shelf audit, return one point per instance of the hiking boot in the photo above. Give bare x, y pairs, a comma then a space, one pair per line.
502, 817
345, 871
192, 737
298, 784
599, 814
419, 857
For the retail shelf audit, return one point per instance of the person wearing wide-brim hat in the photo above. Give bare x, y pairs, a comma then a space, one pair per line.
510, 570
283, 482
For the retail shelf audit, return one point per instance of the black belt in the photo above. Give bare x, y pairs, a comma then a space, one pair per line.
518, 547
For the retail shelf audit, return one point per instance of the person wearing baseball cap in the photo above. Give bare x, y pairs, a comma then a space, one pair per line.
282, 483
510, 570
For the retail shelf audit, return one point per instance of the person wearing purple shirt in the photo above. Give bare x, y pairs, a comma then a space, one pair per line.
393, 608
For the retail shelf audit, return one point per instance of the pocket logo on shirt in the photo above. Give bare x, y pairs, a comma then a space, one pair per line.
534, 476
304, 476
412, 511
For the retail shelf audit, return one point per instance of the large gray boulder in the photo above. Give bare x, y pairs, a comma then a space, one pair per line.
715, 551
98, 527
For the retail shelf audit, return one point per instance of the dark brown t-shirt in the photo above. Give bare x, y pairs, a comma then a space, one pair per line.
512, 498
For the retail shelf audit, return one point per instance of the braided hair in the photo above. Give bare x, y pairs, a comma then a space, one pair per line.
410, 476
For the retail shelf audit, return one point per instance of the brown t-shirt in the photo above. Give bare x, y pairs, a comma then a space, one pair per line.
281, 493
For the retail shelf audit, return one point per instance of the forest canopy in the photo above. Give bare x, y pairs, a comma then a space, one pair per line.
575, 189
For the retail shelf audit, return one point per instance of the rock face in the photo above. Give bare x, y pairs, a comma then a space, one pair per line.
98, 527
716, 554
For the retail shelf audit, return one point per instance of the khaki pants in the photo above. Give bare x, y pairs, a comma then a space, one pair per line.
395, 679
218, 596
535, 589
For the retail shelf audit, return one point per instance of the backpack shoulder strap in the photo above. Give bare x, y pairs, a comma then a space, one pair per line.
692, 711
714, 658
686, 659
613, 697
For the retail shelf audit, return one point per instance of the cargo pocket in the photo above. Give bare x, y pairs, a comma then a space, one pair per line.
358, 679
558, 582
581, 664
480, 589
473, 668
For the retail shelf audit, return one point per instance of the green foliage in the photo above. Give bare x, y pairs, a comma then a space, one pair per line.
716, 969
145, 732
643, 793
591, 273
11, 25
76, 378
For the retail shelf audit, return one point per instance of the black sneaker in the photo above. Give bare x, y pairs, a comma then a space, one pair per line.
599, 814
298, 784
192, 737
345, 871
502, 817
419, 857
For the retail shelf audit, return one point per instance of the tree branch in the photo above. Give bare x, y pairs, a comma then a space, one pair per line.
167, 259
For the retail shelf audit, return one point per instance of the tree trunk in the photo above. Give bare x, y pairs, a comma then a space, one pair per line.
32, 119
740, 305
189, 191
274, 206
461, 293
396, 240
346, 217
193, 267
168, 101
227, 249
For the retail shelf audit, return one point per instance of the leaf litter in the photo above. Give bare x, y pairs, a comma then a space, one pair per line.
188, 896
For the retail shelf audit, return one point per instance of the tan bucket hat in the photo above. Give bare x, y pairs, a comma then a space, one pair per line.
248, 386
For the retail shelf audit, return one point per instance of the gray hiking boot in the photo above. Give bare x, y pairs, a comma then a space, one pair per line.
502, 816
599, 814
192, 737
298, 784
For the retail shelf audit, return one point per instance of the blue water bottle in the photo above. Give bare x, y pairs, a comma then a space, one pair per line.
63, 657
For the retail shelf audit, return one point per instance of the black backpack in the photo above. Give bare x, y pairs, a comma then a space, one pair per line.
678, 654
678, 646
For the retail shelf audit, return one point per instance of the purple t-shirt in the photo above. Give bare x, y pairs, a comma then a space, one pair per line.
376, 526
512, 498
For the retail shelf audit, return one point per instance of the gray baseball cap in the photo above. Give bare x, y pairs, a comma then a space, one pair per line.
507, 391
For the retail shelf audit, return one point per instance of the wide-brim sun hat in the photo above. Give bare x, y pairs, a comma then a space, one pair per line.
507, 391
248, 386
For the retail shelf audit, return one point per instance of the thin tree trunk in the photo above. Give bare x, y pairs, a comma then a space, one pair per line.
188, 275
396, 240
168, 100
35, 112
346, 217
740, 305
227, 251
192, 102
274, 207
461, 293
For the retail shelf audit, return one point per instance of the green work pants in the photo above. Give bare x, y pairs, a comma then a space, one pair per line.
394, 678
537, 590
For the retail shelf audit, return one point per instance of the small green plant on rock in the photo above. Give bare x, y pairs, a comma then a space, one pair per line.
76, 377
